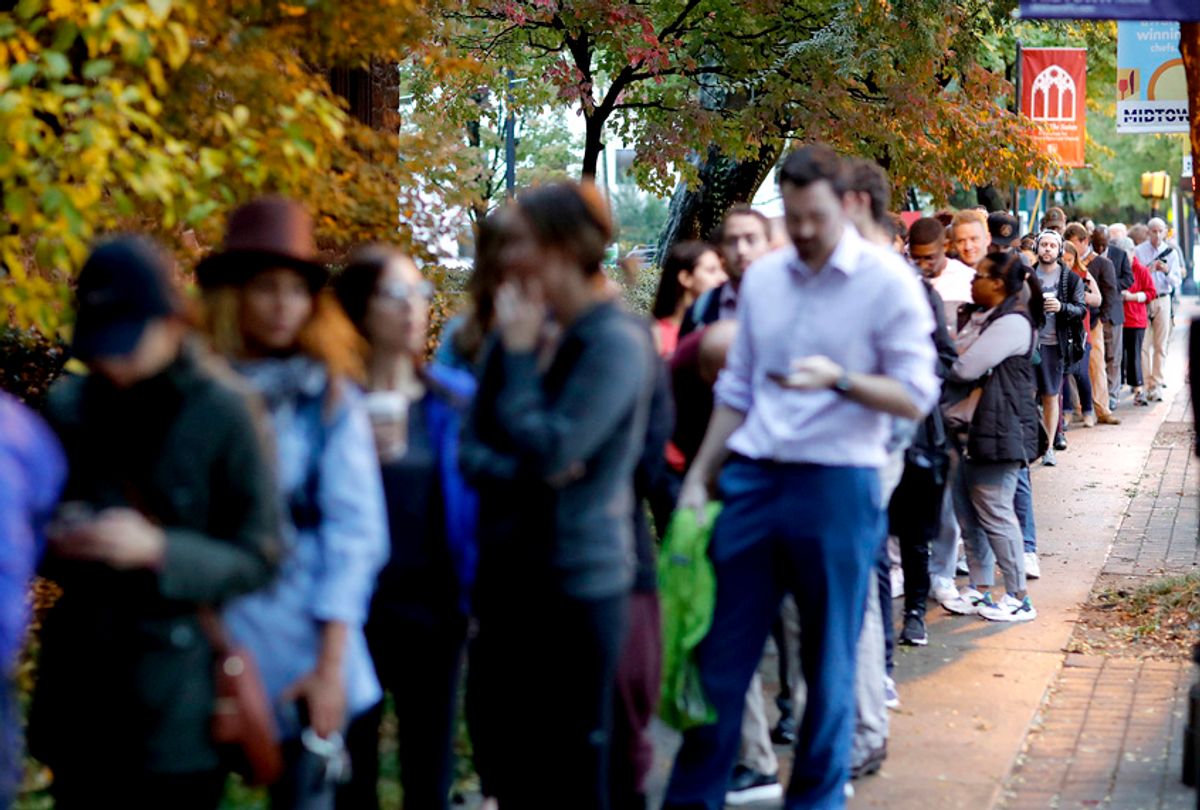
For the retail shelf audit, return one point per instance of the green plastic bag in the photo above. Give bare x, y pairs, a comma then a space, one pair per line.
687, 592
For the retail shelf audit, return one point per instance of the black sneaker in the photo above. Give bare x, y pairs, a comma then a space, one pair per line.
1060, 442
747, 787
784, 732
871, 764
913, 633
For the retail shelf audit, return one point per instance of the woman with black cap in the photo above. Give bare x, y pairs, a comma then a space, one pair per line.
266, 311
168, 507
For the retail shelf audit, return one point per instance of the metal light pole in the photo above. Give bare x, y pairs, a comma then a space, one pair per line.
510, 141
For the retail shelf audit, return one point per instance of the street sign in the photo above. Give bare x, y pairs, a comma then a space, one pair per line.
1187, 165
1151, 80
1054, 94
1112, 9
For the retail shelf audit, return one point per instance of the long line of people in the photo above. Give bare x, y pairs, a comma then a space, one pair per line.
277, 468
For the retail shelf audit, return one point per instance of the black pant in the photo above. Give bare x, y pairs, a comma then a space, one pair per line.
418, 662
87, 790
1131, 346
914, 515
540, 697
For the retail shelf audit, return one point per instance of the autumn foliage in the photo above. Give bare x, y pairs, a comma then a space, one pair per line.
161, 115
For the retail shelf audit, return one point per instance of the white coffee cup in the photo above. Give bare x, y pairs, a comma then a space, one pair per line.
388, 411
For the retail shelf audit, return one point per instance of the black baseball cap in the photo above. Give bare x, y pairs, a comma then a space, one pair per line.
124, 285
1004, 228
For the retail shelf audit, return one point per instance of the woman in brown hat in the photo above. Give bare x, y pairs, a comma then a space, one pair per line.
267, 311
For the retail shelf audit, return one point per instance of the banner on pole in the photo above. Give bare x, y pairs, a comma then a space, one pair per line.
1112, 9
1054, 94
1151, 80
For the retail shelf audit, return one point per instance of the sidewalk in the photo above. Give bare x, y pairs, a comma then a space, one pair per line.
1111, 730
971, 696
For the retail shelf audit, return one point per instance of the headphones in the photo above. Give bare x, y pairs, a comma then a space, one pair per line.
1054, 234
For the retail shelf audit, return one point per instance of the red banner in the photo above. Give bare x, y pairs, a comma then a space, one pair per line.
1054, 94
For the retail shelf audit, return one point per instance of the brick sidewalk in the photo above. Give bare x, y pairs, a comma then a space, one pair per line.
1110, 735
1158, 535
1110, 732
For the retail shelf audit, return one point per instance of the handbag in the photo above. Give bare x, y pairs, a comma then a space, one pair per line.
243, 723
958, 416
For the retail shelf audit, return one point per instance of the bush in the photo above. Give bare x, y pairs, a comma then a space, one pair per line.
29, 364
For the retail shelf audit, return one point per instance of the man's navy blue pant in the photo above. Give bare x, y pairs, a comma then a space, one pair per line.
812, 531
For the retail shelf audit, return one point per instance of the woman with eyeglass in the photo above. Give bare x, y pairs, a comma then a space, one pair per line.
418, 619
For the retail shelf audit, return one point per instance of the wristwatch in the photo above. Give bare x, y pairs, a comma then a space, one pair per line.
842, 384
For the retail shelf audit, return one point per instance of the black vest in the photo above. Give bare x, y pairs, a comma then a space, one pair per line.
1005, 424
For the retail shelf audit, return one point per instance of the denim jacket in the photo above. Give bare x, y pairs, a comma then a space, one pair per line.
330, 569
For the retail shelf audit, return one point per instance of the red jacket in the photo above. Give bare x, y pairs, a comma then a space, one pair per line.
1135, 313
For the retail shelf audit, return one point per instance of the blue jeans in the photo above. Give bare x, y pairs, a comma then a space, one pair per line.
814, 532
1023, 503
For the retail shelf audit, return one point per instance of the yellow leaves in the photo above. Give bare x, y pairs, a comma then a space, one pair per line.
292, 11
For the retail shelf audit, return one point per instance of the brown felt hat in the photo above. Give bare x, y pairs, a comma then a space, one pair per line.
267, 233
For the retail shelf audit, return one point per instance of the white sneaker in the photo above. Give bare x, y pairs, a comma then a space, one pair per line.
943, 590
1049, 459
969, 602
1010, 609
891, 698
1032, 569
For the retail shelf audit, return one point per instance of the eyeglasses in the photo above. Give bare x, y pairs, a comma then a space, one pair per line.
978, 277
400, 291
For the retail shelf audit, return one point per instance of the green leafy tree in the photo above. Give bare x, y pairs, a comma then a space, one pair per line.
735, 82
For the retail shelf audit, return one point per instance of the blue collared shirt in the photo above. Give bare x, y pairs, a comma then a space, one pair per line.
866, 311
330, 570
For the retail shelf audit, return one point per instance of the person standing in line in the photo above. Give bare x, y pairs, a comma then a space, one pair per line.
1063, 302
691, 269
996, 345
1165, 265
915, 508
1078, 372
1054, 220
951, 279
744, 233
1136, 298
32, 473
268, 311
417, 626
639, 666
463, 337
1108, 243
804, 406
743, 237
168, 508
971, 237
551, 445
1110, 311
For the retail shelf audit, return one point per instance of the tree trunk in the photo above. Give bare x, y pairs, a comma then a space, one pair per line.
373, 94
696, 212
593, 145
991, 198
